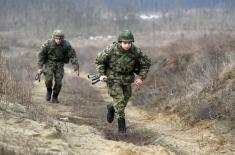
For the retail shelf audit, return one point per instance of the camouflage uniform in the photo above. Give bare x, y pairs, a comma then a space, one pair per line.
119, 66
52, 57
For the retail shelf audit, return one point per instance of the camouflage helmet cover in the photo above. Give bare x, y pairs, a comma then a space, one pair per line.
126, 36
58, 33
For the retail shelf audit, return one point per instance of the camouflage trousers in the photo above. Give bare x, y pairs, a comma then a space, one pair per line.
55, 71
120, 94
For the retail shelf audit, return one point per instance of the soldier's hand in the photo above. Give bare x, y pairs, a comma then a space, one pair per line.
138, 82
40, 71
103, 78
77, 72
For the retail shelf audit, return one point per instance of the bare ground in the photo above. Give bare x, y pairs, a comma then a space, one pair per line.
81, 128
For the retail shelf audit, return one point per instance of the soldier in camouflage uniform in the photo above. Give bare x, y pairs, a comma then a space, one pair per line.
51, 58
117, 65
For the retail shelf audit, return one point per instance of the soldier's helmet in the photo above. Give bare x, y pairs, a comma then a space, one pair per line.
126, 35
58, 33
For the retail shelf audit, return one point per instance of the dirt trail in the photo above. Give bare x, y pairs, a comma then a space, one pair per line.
80, 135
66, 132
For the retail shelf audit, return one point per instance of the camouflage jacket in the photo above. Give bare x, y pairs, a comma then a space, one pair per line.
51, 53
121, 65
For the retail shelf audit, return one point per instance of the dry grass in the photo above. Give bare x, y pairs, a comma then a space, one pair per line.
5, 151
194, 78
15, 83
15, 99
185, 77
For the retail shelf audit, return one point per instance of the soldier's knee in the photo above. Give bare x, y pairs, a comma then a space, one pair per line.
120, 114
58, 85
126, 98
48, 82
58, 81
48, 77
119, 107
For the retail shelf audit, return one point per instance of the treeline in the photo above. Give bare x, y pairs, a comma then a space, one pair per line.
95, 17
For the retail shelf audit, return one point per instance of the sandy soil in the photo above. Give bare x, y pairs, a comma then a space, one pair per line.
59, 129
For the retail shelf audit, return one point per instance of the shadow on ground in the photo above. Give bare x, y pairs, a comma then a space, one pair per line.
94, 114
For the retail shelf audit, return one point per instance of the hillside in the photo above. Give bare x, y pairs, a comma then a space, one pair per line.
185, 107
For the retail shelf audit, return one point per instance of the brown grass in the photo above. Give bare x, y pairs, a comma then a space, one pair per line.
193, 78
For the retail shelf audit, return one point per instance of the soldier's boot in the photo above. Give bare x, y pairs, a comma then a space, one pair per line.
48, 94
121, 127
55, 98
110, 114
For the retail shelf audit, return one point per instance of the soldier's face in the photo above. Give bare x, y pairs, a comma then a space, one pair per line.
126, 45
58, 40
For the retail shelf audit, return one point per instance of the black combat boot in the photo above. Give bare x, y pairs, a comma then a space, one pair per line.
121, 127
55, 98
110, 114
48, 95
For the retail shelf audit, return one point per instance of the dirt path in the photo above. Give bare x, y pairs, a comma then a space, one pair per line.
80, 129
84, 134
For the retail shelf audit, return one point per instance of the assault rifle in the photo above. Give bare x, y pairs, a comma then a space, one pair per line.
94, 78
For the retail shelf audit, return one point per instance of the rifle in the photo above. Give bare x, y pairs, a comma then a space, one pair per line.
38, 77
94, 78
